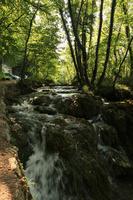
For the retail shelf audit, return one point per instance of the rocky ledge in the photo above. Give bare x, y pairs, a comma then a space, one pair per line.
92, 138
13, 184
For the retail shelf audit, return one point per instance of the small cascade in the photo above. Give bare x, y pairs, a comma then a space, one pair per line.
43, 176
51, 176
68, 150
43, 173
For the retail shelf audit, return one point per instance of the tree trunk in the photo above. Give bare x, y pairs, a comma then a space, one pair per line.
98, 43
70, 44
77, 41
80, 43
120, 67
74, 25
84, 53
23, 69
128, 35
115, 47
91, 28
108, 43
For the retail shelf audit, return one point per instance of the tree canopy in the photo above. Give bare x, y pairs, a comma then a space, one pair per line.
63, 41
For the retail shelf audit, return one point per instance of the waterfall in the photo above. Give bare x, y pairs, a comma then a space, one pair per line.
43, 174
78, 170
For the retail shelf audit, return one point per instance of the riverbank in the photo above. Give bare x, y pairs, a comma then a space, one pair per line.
73, 145
12, 181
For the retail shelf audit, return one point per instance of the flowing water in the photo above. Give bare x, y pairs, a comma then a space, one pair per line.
45, 170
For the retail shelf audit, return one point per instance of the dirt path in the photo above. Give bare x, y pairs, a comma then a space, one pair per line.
11, 184
8, 180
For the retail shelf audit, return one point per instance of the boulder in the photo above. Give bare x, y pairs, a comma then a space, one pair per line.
107, 134
120, 116
42, 100
46, 110
22, 130
119, 93
80, 105
84, 175
109, 146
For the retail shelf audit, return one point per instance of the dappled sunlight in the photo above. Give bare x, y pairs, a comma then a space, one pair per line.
66, 100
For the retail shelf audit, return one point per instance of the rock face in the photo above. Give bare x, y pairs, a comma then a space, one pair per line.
76, 143
120, 116
12, 182
117, 94
78, 105
93, 143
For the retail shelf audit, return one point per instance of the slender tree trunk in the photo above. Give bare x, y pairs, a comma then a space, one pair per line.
123, 60
84, 42
23, 69
79, 14
108, 43
91, 24
128, 35
115, 47
80, 44
98, 43
70, 44
74, 25
79, 64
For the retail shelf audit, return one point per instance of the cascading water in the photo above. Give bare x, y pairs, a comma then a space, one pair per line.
44, 177
44, 170
67, 153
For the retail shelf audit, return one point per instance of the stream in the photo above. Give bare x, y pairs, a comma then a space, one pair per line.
59, 133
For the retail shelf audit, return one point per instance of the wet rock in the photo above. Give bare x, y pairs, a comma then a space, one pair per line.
92, 156
114, 94
13, 184
10, 93
107, 134
119, 115
46, 110
83, 173
80, 105
28, 86
117, 161
21, 134
42, 100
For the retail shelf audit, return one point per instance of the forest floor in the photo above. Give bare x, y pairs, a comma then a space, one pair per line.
10, 180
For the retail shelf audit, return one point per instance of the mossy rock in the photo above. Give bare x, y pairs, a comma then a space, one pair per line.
120, 116
118, 93
80, 105
84, 175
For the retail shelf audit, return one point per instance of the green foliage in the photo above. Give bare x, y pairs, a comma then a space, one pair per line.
46, 60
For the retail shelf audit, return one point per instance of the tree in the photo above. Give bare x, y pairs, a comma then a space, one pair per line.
128, 35
108, 43
78, 33
121, 63
26, 43
98, 43
31, 33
